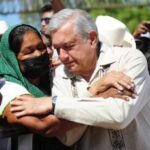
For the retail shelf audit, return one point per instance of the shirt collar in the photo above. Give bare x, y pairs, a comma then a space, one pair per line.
107, 56
69, 75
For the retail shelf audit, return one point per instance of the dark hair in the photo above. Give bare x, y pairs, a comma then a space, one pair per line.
16, 36
148, 62
143, 44
47, 7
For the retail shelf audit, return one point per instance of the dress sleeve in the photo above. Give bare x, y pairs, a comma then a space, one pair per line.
9, 91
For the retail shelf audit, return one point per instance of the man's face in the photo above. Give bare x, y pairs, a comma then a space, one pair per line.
78, 55
45, 19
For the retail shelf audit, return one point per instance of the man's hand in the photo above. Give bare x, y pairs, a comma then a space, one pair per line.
28, 105
115, 79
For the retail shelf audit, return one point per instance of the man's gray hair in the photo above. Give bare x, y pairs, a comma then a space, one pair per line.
81, 19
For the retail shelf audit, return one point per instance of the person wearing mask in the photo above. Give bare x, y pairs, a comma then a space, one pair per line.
25, 66
120, 124
48, 10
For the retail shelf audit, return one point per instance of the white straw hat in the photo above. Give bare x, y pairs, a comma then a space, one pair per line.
113, 32
3, 26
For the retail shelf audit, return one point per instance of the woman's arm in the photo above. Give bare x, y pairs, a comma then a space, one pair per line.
114, 79
113, 84
42, 125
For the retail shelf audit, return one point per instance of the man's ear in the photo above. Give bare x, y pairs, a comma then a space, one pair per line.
93, 38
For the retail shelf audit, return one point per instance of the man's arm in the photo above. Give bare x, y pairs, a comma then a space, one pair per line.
44, 104
113, 84
110, 112
49, 126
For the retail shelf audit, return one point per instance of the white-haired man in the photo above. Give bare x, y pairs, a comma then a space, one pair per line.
111, 123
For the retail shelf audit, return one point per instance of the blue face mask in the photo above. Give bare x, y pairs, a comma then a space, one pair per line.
36, 67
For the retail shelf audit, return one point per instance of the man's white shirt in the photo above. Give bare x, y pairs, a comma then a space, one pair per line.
112, 123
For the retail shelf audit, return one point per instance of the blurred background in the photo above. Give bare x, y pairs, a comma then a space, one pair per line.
131, 12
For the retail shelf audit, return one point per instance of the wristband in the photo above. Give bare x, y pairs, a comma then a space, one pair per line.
53, 108
54, 98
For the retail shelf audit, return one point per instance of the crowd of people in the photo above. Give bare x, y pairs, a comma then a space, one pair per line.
81, 83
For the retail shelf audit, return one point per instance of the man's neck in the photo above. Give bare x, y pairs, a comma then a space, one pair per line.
87, 76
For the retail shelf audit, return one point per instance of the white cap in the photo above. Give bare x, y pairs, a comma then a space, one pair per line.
113, 32
3, 26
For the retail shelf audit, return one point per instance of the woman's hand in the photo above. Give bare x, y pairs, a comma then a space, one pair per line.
113, 92
115, 79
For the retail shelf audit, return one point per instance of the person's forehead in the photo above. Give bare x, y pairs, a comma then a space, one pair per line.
48, 14
30, 38
66, 33
68, 29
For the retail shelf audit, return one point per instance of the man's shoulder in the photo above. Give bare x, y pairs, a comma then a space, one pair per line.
115, 54
127, 52
121, 55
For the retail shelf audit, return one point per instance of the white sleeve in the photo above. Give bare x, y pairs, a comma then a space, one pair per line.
9, 91
111, 112
73, 135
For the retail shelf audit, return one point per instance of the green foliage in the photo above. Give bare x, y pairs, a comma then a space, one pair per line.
130, 16
31, 19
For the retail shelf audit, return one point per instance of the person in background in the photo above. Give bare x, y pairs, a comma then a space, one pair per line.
3, 27
142, 39
53, 56
115, 35
48, 11
111, 122
142, 28
142, 36
25, 67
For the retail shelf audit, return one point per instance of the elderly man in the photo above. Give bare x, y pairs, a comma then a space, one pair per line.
112, 122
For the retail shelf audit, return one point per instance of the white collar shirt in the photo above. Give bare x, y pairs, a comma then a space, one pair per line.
110, 123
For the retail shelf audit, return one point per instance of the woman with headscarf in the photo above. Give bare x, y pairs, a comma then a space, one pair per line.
24, 61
